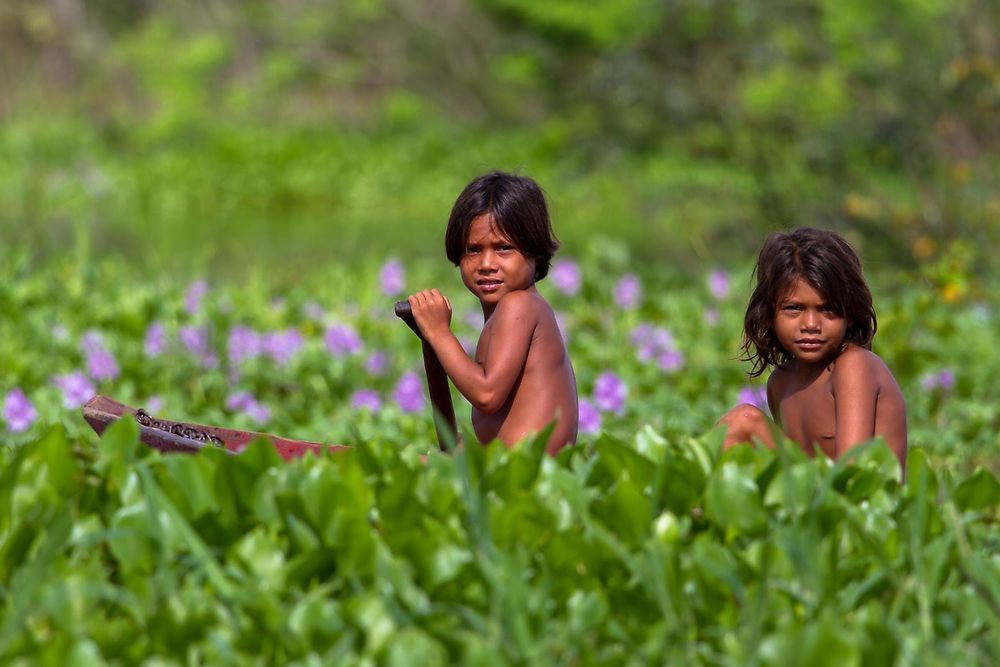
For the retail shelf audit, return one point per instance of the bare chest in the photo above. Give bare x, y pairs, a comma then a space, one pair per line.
808, 414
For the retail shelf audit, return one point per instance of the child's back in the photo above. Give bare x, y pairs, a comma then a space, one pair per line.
545, 387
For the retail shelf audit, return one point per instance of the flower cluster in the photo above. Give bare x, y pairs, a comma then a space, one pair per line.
409, 393
392, 277
753, 395
18, 412
101, 365
245, 403
342, 340
627, 291
565, 275
656, 344
943, 380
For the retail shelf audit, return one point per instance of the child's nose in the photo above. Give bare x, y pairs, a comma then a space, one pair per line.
810, 321
487, 260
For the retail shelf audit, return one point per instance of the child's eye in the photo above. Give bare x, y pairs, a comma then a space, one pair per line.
506, 248
471, 250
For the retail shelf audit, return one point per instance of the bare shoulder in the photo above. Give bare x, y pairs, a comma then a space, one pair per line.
857, 360
856, 364
523, 304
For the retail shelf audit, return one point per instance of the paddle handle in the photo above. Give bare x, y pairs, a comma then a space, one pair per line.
405, 313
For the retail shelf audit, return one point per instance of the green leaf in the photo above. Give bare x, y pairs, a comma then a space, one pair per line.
979, 491
732, 500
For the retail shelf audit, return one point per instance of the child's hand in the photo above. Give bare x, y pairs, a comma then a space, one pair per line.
432, 311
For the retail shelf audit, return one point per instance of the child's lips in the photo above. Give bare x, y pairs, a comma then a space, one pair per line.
809, 343
489, 285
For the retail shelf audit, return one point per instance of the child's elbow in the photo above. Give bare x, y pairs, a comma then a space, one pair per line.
488, 402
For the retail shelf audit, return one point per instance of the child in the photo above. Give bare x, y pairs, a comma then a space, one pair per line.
811, 317
521, 379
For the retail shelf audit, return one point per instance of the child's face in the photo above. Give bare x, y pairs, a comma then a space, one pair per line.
492, 265
806, 326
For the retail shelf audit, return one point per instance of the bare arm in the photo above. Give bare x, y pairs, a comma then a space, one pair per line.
437, 384
855, 394
487, 385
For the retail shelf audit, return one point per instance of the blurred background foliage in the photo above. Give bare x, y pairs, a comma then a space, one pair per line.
220, 136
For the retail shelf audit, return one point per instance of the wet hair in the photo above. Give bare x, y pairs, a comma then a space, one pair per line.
517, 206
830, 266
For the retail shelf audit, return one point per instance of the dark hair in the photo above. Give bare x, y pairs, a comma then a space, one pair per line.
825, 261
517, 206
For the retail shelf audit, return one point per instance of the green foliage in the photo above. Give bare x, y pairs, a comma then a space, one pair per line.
334, 129
506, 556
640, 544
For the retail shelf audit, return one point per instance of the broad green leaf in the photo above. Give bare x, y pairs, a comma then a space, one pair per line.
979, 491
732, 500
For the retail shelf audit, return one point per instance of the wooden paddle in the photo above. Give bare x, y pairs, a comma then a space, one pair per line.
437, 384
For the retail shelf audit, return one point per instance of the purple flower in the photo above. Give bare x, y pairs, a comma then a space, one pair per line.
192, 298
244, 402
627, 291
946, 379
376, 363
565, 275
657, 343
195, 339
156, 340
258, 412
718, 284
590, 418
341, 339
75, 387
943, 380
281, 346
238, 401
392, 278
754, 395
366, 399
610, 393
711, 316
409, 394
243, 343
18, 411
100, 364
670, 360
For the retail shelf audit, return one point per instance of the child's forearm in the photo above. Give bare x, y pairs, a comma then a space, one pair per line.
440, 394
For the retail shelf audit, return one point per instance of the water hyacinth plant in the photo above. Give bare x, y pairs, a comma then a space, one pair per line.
642, 543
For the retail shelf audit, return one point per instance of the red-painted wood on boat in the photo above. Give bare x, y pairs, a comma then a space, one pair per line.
173, 436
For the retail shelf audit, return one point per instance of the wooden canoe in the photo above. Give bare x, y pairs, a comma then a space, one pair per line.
173, 436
